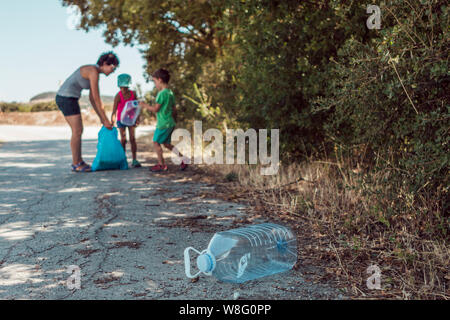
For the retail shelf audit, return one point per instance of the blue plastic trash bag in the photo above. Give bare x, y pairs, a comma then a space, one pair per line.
110, 153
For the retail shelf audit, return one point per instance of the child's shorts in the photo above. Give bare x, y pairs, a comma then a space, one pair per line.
120, 125
162, 136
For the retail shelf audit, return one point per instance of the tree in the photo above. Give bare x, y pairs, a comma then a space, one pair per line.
285, 49
180, 36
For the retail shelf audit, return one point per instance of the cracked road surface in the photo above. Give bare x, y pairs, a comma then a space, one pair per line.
125, 230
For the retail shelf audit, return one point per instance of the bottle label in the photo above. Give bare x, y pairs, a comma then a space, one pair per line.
243, 263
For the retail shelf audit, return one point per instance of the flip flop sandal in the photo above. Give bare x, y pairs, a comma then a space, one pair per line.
86, 167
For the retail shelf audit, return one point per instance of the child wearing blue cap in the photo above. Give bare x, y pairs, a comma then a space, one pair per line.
121, 98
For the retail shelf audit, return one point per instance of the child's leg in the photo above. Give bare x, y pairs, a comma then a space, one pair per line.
169, 146
131, 131
176, 151
159, 152
184, 161
123, 138
173, 149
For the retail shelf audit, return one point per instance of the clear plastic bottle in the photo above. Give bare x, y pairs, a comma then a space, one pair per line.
130, 113
244, 254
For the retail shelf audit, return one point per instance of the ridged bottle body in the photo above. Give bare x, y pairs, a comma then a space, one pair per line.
253, 252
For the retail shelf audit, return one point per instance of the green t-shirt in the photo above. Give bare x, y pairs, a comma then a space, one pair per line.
164, 117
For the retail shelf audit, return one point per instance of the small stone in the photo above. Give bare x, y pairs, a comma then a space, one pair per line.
194, 280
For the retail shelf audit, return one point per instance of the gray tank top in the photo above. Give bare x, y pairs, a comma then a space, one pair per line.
74, 84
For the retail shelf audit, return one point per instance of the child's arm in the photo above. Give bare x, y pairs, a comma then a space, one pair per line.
155, 108
174, 113
138, 120
114, 111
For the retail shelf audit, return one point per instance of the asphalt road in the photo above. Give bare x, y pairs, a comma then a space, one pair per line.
124, 231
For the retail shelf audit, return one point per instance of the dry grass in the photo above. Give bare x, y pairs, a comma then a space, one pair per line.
346, 223
346, 220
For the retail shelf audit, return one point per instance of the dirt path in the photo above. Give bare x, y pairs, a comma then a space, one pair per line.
125, 230
45, 118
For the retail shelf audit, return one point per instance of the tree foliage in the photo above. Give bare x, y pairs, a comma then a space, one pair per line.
180, 36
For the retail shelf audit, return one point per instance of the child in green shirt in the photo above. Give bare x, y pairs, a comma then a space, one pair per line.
165, 119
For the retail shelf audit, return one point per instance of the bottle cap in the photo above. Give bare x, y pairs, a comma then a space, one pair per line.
206, 262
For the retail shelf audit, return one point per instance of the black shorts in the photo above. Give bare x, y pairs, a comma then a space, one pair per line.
69, 106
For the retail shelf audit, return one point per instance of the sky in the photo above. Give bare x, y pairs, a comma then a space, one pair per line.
40, 48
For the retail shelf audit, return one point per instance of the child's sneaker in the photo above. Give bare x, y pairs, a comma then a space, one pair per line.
183, 166
159, 168
135, 164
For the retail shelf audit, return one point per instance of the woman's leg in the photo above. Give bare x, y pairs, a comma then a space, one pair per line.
76, 124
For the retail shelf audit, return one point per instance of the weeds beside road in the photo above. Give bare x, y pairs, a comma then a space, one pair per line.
344, 226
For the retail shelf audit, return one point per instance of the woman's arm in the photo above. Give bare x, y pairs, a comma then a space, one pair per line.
94, 97
114, 111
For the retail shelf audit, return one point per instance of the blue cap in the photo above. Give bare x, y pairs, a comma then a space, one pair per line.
206, 262
124, 80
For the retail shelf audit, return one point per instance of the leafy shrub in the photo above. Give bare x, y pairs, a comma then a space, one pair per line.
388, 99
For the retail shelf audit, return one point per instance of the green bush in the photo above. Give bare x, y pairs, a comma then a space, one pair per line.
389, 97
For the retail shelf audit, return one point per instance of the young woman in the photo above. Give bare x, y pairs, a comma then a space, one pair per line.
85, 77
